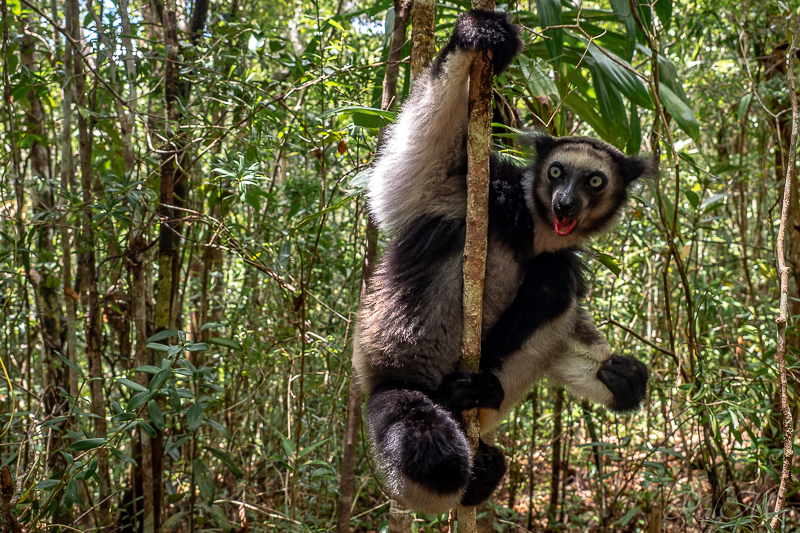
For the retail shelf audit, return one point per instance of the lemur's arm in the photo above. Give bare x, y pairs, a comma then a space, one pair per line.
589, 369
420, 169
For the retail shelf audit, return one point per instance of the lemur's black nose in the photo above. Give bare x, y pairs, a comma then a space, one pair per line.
564, 206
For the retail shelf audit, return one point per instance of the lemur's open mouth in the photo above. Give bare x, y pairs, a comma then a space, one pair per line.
564, 225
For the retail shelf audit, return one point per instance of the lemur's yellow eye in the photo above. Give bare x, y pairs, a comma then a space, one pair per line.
555, 172
595, 181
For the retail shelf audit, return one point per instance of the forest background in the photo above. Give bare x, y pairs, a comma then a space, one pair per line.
183, 237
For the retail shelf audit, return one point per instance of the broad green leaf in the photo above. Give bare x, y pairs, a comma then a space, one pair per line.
132, 385
623, 9
227, 343
227, 460
72, 365
588, 114
139, 400
288, 447
211, 325
149, 369
607, 261
197, 347
161, 335
219, 427
635, 142
219, 517
681, 113
550, 15
744, 103
86, 444
205, 480
539, 82
612, 108
47, 484
147, 428
156, 417
71, 496
615, 70
160, 378
194, 417
157, 346
663, 10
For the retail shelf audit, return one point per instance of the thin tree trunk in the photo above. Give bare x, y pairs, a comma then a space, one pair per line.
555, 462
479, 137
93, 325
783, 271
423, 17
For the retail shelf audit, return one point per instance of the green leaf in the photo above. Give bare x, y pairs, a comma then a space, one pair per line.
227, 460
194, 417
197, 347
139, 400
615, 70
149, 369
156, 417
147, 428
622, 8
71, 496
680, 112
219, 427
210, 325
122, 457
664, 11
205, 480
538, 82
612, 108
227, 343
368, 117
635, 142
587, 113
160, 378
744, 104
288, 447
607, 261
219, 517
161, 335
72, 365
550, 15
47, 484
86, 444
158, 347
693, 198
16, 8
132, 385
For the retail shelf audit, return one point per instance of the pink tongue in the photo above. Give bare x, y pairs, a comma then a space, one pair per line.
564, 225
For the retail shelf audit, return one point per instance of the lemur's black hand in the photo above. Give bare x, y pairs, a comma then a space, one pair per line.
626, 378
461, 391
488, 30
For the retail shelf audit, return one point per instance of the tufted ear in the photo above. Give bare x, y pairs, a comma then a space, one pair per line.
540, 141
634, 167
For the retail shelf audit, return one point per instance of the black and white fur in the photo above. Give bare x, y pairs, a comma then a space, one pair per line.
408, 337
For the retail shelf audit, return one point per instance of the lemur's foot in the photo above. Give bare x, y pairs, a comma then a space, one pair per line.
488, 30
488, 469
626, 378
461, 391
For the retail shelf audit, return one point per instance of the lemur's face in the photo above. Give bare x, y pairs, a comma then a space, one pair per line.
578, 190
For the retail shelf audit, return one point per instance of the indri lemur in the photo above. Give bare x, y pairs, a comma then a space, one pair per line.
408, 338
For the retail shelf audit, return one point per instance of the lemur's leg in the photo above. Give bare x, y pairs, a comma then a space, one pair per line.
420, 448
420, 169
590, 370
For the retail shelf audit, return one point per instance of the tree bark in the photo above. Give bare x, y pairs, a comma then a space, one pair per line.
555, 462
783, 271
479, 137
423, 16
93, 325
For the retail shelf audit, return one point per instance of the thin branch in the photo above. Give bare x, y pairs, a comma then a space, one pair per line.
783, 271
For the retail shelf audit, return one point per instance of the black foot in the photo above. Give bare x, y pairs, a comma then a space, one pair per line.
488, 30
488, 469
626, 378
461, 391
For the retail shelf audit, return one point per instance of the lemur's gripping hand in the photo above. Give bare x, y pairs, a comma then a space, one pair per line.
461, 391
626, 378
481, 30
